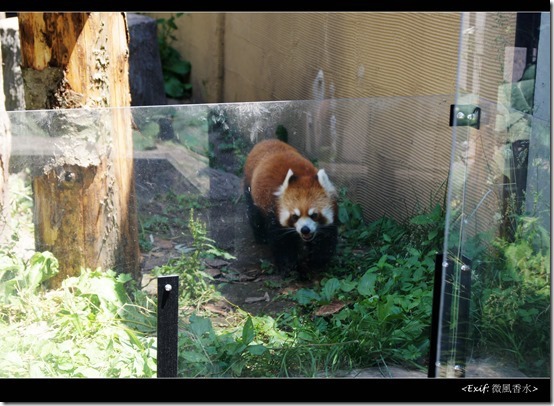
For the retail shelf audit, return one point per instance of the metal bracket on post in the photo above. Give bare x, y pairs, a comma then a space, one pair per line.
168, 306
465, 115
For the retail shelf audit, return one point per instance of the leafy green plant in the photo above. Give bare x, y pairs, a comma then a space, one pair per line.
176, 70
383, 303
178, 203
512, 315
204, 352
349, 213
194, 283
90, 327
156, 223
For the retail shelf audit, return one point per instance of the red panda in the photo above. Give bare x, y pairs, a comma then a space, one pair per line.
292, 206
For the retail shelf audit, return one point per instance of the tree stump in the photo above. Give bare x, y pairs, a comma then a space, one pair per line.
85, 203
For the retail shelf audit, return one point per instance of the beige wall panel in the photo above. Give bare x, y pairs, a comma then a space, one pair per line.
391, 151
360, 54
486, 62
380, 148
200, 41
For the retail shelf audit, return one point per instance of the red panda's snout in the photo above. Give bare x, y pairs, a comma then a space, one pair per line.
306, 225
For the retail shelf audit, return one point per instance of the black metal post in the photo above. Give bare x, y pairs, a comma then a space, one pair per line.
435, 317
455, 346
168, 305
463, 317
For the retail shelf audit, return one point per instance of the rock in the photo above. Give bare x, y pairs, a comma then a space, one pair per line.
145, 66
11, 58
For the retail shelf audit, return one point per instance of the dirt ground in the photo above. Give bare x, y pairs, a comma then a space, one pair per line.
244, 282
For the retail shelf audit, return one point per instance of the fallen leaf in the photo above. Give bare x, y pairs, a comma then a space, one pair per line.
223, 310
252, 272
243, 277
165, 244
289, 290
331, 308
214, 273
216, 263
257, 299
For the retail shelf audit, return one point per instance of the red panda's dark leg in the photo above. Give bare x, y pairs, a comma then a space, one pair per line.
285, 245
256, 218
285, 254
323, 247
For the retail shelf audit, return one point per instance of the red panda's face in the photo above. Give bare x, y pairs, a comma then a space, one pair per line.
306, 203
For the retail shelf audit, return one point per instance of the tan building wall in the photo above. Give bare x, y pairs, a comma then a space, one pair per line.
199, 39
239, 57
391, 151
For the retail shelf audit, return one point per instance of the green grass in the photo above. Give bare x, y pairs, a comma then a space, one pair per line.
89, 327
372, 308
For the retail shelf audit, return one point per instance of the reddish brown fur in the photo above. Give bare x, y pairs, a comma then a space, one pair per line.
300, 239
266, 167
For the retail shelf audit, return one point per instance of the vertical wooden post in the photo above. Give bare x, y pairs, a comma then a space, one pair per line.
5, 151
85, 203
168, 305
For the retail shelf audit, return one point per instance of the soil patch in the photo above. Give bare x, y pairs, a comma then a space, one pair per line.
246, 282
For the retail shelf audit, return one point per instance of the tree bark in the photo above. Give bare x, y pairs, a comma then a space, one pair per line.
85, 203
5, 152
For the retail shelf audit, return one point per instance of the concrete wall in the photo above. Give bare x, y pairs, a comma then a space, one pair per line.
238, 57
200, 41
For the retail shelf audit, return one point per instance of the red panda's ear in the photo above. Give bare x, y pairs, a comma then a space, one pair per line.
290, 176
325, 183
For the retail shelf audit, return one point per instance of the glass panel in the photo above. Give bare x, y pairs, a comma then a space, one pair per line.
368, 316
495, 305
391, 159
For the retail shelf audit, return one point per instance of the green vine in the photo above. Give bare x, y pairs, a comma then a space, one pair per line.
176, 70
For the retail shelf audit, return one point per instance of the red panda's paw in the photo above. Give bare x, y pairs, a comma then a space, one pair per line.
286, 266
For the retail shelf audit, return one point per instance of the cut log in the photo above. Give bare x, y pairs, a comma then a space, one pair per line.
85, 203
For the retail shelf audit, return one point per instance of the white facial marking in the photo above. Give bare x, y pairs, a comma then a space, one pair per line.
305, 221
285, 184
284, 218
324, 181
327, 213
